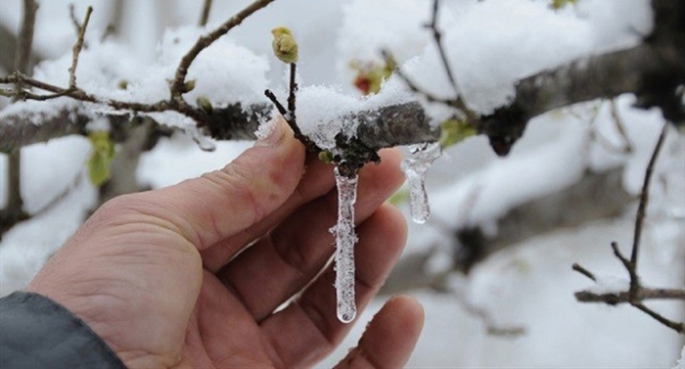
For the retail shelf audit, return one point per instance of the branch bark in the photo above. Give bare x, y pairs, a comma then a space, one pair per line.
602, 76
13, 211
624, 297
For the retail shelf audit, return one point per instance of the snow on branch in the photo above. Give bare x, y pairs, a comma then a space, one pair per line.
602, 76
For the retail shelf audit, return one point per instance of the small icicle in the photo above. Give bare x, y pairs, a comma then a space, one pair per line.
415, 169
202, 141
345, 239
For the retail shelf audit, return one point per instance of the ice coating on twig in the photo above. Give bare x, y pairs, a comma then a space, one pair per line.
415, 168
345, 238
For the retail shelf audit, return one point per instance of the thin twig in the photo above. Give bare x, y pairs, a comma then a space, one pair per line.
206, 9
678, 327
636, 292
413, 86
578, 268
458, 101
78, 46
74, 19
293, 91
281, 109
205, 41
620, 126
644, 197
630, 267
81, 95
437, 36
288, 116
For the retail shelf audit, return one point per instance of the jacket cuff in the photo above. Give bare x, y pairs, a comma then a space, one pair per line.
36, 332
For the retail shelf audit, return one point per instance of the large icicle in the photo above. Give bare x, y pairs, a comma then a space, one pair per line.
415, 168
345, 238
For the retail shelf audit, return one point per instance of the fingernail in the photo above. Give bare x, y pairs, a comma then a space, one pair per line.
270, 133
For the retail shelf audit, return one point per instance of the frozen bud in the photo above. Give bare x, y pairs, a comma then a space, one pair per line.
205, 104
326, 156
284, 45
189, 86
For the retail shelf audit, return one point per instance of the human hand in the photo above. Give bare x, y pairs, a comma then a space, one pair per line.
167, 279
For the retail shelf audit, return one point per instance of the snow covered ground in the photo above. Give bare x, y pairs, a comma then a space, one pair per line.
491, 44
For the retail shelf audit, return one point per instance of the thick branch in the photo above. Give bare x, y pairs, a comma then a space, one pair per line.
13, 211
602, 76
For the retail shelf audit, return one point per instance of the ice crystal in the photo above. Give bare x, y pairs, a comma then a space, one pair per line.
415, 168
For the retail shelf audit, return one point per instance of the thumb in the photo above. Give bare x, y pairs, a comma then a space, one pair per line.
221, 203
389, 338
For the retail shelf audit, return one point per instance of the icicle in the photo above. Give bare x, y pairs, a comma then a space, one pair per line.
415, 169
204, 142
345, 238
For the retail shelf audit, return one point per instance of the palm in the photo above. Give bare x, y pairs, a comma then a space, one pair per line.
225, 343
169, 309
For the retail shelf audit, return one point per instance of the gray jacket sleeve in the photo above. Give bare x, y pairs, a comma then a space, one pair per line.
36, 332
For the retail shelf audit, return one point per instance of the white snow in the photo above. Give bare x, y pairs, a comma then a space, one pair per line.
681, 362
609, 283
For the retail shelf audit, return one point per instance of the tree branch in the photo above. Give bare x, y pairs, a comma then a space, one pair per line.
206, 10
13, 211
636, 293
603, 76
624, 297
177, 86
644, 198
78, 46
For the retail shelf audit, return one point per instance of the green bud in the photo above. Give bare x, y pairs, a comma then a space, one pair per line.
189, 86
558, 4
205, 104
284, 45
454, 131
326, 156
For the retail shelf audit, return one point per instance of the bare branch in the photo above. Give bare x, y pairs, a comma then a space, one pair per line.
624, 297
578, 268
205, 41
603, 76
644, 198
458, 101
78, 46
206, 10
620, 126
8, 45
25, 44
636, 293
13, 211
678, 327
